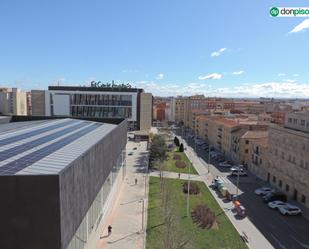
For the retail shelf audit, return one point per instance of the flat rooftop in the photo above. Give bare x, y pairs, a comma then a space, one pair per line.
46, 147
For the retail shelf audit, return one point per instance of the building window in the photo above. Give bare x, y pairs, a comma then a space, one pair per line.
287, 188
260, 160
246, 151
282, 155
294, 160
290, 158
301, 163
247, 141
274, 179
290, 120
295, 121
302, 122
303, 199
280, 183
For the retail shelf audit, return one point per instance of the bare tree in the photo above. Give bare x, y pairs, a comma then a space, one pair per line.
174, 237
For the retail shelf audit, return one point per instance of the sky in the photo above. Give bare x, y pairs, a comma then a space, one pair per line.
218, 48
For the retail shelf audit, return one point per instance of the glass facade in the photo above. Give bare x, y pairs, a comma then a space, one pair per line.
101, 105
101, 112
95, 213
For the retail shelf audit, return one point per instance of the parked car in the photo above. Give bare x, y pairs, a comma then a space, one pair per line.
130, 153
263, 191
290, 210
277, 204
239, 173
274, 196
236, 167
135, 148
220, 160
225, 164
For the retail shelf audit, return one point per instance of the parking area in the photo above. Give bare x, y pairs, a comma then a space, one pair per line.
282, 231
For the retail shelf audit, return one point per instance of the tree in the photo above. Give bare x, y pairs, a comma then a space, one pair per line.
158, 150
176, 141
173, 236
181, 148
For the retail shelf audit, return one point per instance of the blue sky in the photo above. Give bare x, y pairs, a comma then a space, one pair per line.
219, 48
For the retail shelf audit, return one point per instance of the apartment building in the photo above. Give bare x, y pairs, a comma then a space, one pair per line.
258, 150
249, 107
288, 157
13, 102
245, 144
218, 131
181, 109
225, 129
94, 102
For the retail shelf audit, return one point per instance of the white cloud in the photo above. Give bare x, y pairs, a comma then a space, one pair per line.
289, 80
129, 71
213, 76
300, 27
160, 76
281, 74
295, 75
218, 53
238, 72
269, 89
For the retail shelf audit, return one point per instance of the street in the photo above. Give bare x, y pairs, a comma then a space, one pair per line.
281, 231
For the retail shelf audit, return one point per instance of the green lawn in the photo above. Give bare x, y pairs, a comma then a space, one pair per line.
225, 237
169, 164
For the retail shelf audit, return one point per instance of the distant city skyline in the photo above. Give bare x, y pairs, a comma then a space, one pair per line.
221, 48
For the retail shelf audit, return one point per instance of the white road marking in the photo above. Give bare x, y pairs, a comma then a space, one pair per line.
302, 244
224, 179
278, 241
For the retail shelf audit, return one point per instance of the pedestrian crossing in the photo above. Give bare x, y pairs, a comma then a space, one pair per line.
224, 179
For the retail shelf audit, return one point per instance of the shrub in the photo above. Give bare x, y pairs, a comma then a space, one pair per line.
194, 188
203, 216
176, 141
181, 148
180, 164
177, 157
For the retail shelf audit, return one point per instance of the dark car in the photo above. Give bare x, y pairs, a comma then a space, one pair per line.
274, 196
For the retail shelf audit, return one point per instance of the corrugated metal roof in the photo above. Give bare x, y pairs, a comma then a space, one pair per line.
47, 147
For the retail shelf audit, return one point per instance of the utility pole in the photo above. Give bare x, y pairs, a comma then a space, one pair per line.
237, 184
188, 195
143, 210
209, 157
146, 175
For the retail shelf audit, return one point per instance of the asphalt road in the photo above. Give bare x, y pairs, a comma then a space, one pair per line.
282, 231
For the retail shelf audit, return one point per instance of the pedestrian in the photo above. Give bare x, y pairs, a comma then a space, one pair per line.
135, 181
179, 175
109, 229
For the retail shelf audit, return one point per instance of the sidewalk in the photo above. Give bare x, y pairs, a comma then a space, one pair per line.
256, 238
126, 218
174, 175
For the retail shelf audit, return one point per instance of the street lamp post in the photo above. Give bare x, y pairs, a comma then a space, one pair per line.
188, 195
237, 184
146, 178
209, 157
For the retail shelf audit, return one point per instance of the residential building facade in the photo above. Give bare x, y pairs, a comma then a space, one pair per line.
288, 162
13, 102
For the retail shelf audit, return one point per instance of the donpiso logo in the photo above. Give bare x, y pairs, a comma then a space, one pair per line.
274, 11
